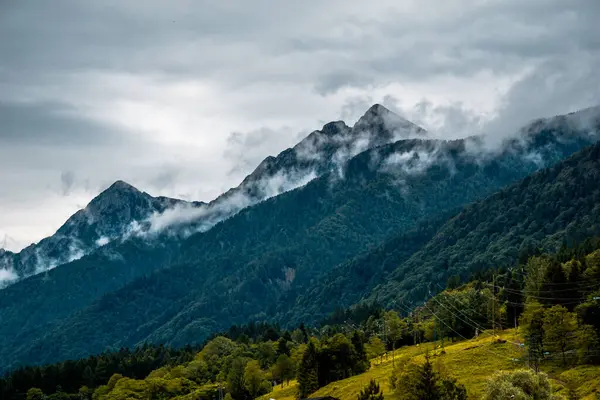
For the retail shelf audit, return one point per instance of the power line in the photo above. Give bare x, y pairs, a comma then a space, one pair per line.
534, 297
526, 276
489, 351
476, 326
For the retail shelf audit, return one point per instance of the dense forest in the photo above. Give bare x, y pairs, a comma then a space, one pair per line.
553, 299
550, 209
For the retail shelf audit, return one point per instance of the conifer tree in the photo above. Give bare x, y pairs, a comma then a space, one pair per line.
371, 392
308, 372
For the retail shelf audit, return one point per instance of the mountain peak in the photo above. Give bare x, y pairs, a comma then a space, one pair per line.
119, 193
335, 128
377, 112
385, 122
121, 186
378, 109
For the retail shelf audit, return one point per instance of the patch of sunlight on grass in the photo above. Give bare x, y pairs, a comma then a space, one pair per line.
586, 378
471, 362
287, 392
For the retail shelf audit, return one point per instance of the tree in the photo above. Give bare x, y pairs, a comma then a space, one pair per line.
35, 394
422, 382
253, 378
589, 311
532, 323
559, 329
375, 348
371, 392
298, 336
88, 376
453, 282
282, 347
519, 385
243, 339
85, 393
396, 327
359, 346
266, 354
587, 344
236, 383
426, 384
361, 362
283, 369
536, 270
296, 357
337, 360
308, 372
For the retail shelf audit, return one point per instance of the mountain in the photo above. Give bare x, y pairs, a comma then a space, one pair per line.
259, 263
319, 153
392, 270
108, 217
556, 207
122, 210
150, 244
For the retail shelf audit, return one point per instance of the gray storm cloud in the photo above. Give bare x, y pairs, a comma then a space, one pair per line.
119, 90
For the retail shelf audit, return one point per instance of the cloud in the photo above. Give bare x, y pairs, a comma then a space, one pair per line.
67, 179
103, 241
151, 92
7, 276
187, 218
245, 150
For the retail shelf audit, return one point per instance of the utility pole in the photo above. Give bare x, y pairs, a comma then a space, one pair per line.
494, 303
442, 334
415, 322
434, 334
385, 337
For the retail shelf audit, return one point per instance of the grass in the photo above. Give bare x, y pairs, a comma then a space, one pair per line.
584, 378
287, 392
471, 362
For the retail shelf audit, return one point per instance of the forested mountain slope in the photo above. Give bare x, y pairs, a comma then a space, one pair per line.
551, 208
255, 264
143, 232
122, 210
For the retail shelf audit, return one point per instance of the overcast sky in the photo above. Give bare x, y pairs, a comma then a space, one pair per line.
183, 98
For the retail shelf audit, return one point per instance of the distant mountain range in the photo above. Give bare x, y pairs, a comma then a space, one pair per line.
344, 216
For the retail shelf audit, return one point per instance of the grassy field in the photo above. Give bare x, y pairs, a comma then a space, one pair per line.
471, 362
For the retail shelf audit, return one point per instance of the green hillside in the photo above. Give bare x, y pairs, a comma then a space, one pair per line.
550, 209
471, 362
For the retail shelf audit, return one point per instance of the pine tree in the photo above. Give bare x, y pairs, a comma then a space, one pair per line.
371, 392
282, 347
427, 387
424, 383
88, 376
308, 372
